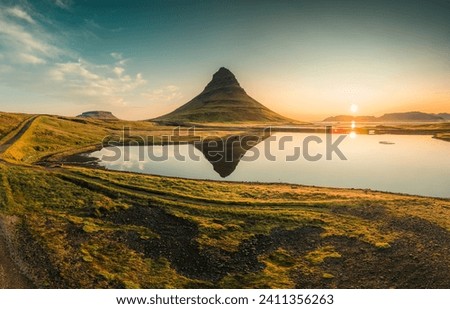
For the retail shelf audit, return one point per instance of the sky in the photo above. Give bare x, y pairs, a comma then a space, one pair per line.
304, 59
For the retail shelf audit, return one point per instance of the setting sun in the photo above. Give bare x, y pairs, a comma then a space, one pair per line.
354, 108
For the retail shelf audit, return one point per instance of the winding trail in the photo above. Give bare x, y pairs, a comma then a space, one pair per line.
23, 128
10, 275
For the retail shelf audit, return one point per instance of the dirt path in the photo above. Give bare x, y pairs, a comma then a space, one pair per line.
25, 126
10, 276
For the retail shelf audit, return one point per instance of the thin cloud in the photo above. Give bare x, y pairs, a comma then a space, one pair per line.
37, 59
103, 83
27, 58
63, 4
19, 38
21, 14
165, 94
119, 71
117, 56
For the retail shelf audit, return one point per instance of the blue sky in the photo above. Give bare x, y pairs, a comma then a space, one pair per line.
303, 59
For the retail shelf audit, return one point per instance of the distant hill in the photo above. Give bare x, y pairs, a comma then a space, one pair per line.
98, 115
393, 117
445, 116
351, 118
223, 100
410, 116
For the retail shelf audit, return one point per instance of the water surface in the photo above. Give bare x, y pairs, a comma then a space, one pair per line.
412, 164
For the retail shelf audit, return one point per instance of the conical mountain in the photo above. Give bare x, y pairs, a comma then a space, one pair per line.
223, 100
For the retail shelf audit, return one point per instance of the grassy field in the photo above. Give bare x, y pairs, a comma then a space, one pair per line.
52, 138
75, 227
9, 123
90, 228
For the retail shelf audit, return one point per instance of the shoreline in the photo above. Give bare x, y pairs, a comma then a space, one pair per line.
363, 131
81, 158
94, 165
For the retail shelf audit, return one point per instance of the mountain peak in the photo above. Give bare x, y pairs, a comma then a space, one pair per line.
222, 100
223, 78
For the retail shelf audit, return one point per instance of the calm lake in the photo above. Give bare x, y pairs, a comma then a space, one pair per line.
413, 164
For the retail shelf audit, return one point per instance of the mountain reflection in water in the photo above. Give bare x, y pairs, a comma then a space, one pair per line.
225, 153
